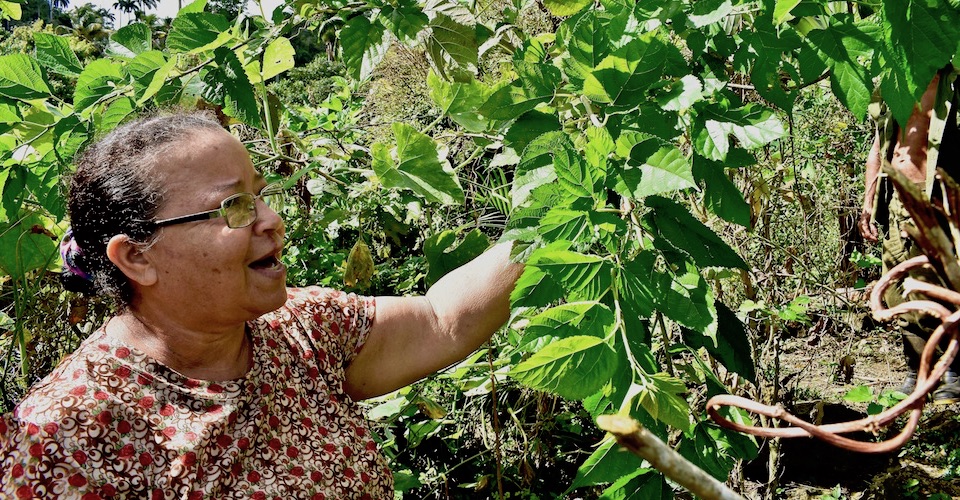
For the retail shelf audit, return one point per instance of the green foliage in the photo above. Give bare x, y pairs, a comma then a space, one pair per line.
618, 141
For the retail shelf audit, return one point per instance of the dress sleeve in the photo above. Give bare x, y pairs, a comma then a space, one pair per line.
33, 464
338, 322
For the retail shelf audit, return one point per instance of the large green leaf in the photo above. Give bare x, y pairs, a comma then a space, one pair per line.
535, 288
662, 397
536, 166
573, 367
405, 20
708, 449
363, 46
847, 47
98, 80
537, 84
704, 12
197, 32
116, 113
720, 195
638, 292
25, 246
588, 46
687, 299
460, 100
445, 254
567, 320
731, 347
923, 37
454, 40
622, 78
418, 165
277, 58
752, 125
55, 54
130, 41
144, 68
655, 166
563, 8
21, 78
528, 127
606, 464
642, 484
227, 84
690, 236
10, 10
584, 277
576, 178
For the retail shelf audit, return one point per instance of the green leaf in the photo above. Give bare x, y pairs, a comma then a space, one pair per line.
859, 394
720, 195
418, 165
536, 166
277, 58
606, 464
589, 44
115, 114
534, 288
455, 40
573, 367
705, 451
528, 127
638, 293
25, 246
661, 396
574, 175
198, 32
563, 8
687, 299
623, 77
445, 254
363, 46
9, 113
656, 166
537, 84
460, 101
10, 10
130, 41
706, 12
731, 347
642, 484
690, 236
143, 68
55, 54
847, 49
21, 78
98, 80
781, 12
584, 277
227, 84
753, 126
923, 36
405, 20
566, 320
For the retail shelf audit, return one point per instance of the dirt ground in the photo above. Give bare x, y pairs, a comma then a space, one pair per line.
815, 383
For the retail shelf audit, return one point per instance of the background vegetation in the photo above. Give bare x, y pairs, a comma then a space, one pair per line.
680, 177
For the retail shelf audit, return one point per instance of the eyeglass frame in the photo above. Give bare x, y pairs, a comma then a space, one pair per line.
272, 189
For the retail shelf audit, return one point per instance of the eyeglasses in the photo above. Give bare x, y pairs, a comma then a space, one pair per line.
239, 210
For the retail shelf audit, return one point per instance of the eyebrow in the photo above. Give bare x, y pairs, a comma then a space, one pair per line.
234, 187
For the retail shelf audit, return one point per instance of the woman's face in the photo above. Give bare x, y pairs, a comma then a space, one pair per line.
207, 272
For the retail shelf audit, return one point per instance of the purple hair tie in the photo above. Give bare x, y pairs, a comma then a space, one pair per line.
69, 251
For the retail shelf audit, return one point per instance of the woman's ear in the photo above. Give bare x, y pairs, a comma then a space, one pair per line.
130, 259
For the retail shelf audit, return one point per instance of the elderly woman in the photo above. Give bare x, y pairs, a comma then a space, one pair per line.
215, 380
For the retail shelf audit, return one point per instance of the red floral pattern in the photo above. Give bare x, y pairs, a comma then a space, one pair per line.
111, 422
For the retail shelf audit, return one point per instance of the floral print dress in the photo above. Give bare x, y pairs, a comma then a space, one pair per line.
111, 422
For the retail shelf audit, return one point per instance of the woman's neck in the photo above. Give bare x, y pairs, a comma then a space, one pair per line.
215, 355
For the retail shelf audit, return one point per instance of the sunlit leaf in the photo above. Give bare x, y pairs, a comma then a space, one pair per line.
130, 41
197, 32
573, 367
227, 84
277, 58
55, 54
99, 79
21, 78
417, 164
444, 253
363, 45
